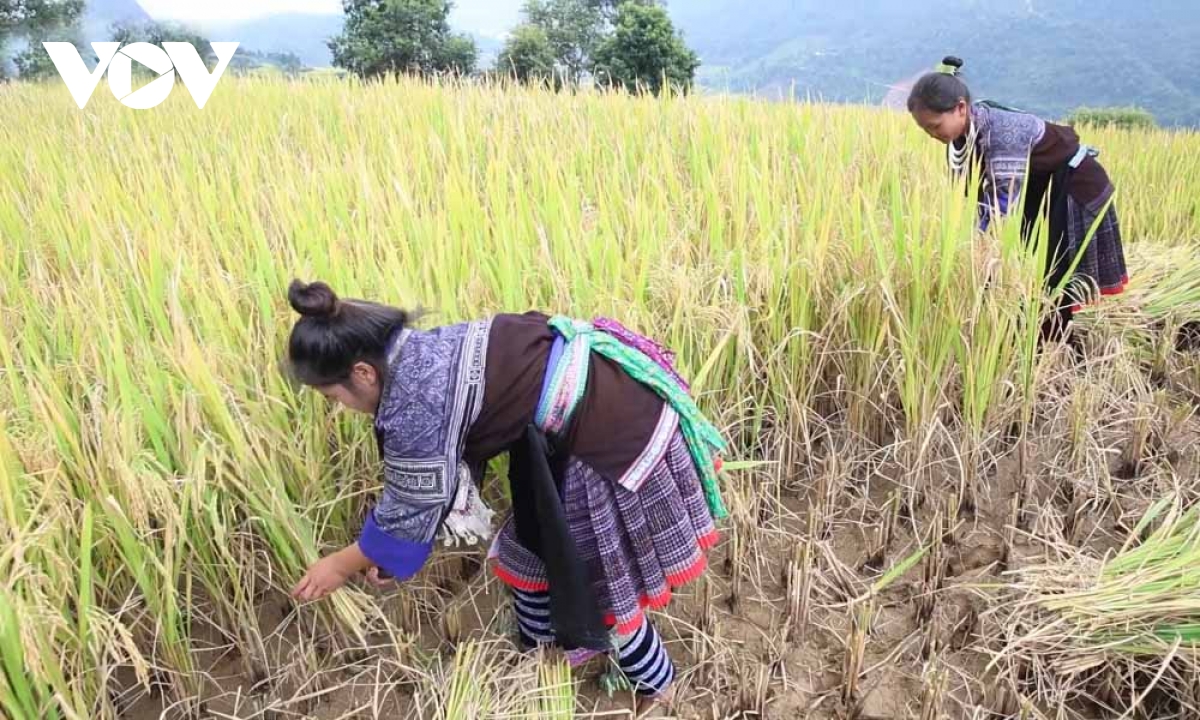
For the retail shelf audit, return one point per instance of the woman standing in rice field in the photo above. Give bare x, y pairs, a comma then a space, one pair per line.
1020, 158
612, 467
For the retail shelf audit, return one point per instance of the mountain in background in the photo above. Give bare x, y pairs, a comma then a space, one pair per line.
1046, 56
307, 35
304, 34
277, 33
100, 15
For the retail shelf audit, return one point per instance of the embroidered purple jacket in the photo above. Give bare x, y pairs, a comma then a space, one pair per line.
464, 394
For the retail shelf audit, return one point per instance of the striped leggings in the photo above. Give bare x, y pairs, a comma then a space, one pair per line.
641, 655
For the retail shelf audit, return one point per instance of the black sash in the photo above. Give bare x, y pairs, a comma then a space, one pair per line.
535, 476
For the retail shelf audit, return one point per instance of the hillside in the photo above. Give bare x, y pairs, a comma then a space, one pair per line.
1047, 57
100, 15
304, 34
307, 35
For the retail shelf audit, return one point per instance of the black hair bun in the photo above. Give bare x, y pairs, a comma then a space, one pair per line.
952, 61
313, 299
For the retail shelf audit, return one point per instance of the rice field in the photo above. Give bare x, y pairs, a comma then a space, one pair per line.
929, 518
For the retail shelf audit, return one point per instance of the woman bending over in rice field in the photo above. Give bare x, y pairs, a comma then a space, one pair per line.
612, 467
1020, 158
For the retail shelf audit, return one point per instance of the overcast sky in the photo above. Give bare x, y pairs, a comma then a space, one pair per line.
469, 12
231, 9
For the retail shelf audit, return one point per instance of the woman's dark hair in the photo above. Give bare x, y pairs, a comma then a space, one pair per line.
941, 90
333, 335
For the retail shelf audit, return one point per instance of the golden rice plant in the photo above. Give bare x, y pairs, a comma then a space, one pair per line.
809, 263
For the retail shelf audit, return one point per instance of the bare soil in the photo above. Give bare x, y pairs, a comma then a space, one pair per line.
743, 647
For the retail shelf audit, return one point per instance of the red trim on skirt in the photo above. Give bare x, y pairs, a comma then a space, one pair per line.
675, 581
519, 583
1104, 292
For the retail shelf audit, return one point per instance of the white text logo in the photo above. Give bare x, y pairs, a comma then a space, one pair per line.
164, 61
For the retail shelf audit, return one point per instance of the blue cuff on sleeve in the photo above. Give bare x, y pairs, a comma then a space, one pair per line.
400, 558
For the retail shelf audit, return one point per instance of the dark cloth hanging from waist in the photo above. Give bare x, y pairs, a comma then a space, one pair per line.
536, 470
1057, 183
1058, 256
